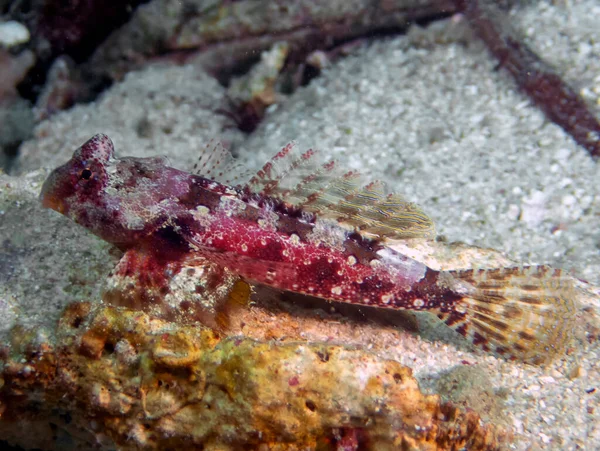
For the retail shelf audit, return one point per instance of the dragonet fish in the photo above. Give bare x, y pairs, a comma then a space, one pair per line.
304, 225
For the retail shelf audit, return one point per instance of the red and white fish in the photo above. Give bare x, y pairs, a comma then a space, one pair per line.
297, 225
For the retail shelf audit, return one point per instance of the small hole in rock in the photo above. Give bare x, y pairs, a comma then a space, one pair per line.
310, 405
323, 356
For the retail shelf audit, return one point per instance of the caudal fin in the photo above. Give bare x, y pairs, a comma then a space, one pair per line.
522, 313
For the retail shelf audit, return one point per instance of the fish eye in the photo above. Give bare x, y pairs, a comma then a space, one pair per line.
86, 174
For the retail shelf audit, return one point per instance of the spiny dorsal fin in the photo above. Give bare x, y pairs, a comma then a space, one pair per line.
288, 162
305, 180
216, 163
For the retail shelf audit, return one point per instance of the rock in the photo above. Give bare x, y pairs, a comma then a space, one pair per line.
126, 380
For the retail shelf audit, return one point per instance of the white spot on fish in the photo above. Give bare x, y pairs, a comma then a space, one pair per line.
244, 248
336, 290
294, 239
418, 303
202, 210
386, 298
412, 270
352, 260
460, 309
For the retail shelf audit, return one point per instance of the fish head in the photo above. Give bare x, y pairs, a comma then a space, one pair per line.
118, 199
81, 190
81, 180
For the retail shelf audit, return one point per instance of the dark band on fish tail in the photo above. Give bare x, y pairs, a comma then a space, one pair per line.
436, 292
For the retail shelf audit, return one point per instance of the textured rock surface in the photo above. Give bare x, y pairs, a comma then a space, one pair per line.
223, 33
124, 379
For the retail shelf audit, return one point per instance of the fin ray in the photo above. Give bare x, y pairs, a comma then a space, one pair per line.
308, 182
215, 162
522, 313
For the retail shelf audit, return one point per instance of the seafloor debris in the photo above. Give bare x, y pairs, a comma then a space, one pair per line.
63, 88
16, 118
73, 28
224, 35
13, 33
561, 104
251, 94
116, 377
13, 69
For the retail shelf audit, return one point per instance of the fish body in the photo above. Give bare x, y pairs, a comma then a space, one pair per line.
302, 227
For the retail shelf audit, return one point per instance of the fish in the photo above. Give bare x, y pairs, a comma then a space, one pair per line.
301, 224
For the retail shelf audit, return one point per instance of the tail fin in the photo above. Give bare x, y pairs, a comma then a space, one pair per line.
522, 313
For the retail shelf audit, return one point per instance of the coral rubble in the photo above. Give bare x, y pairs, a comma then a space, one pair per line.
116, 377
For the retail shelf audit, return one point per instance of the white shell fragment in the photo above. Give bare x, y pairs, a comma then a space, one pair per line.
13, 33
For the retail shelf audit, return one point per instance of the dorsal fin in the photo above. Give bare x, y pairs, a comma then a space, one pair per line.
216, 163
288, 162
305, 180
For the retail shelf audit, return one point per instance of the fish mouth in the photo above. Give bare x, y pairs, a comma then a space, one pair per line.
49, 197
49, 201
